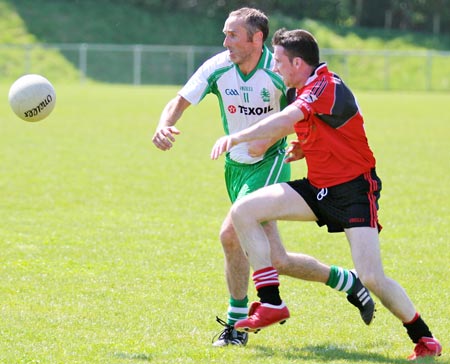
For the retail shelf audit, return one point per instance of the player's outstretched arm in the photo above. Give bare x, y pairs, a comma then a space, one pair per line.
164, 135
275, 126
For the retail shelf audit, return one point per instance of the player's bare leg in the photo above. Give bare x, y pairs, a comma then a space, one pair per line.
237, 270
365, 247
295, 265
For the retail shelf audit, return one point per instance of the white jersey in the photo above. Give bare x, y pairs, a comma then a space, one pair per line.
243, 99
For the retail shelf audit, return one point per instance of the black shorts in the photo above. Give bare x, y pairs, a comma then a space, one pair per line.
350, 204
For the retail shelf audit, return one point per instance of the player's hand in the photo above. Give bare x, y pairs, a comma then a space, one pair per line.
294, 152
221, 146
164, 137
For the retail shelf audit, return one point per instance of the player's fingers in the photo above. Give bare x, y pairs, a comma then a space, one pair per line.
168, 133
229, 144
215, 152
168, 137
294, 155
161, 141
173, 130
288, 159
293, 144
219, 147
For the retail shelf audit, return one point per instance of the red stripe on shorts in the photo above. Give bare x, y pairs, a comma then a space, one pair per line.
373, 186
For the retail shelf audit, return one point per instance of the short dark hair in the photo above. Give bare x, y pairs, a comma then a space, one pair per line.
255, 21
298, 43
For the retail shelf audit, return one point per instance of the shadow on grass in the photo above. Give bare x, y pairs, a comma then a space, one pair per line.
326, 354
134, 356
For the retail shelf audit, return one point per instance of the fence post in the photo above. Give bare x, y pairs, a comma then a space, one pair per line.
137, 64
428, 70
386, 70
346, 67
190, 62
82, 59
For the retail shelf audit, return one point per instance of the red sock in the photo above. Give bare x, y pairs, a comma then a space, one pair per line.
266, 277
266, 282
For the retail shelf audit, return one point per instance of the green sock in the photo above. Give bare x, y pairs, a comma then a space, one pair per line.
341, 279
237, 310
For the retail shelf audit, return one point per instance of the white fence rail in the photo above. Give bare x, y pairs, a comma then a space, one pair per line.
164, 64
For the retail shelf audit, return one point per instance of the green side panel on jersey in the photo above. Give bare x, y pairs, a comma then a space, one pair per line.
212, 81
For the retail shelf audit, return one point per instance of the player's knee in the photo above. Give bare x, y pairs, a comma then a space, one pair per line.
239, 212
281, 264
371, 280
228, 237
280, 260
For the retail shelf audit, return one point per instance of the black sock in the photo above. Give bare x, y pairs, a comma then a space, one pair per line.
417, 328
270, 294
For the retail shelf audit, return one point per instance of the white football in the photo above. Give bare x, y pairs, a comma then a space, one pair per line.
32, 97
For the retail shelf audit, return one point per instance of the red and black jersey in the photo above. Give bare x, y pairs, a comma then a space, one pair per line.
332, 132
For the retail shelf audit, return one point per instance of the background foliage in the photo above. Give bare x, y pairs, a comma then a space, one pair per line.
27, 28
180, 22
417, 15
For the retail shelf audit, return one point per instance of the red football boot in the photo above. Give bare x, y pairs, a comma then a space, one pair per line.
261, 315
426, 346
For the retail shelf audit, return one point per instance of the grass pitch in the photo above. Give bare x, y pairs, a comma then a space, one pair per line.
109, 248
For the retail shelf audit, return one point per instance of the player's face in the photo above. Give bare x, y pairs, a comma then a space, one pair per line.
237, 42
284, 67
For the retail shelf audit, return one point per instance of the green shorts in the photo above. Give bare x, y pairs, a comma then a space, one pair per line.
241, 179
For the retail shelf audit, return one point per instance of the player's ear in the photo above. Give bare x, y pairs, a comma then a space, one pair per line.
258, 36
297, 62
